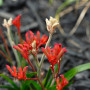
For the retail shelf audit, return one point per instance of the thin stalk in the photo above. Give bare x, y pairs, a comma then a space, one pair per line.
11, 43
36, 61
36, 74
47, 44
58, 68
43, 56
4, 56
53, 81
19, 33
31, 78
31, 65
6, 46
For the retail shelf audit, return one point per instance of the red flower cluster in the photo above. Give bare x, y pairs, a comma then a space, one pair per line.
16, 22
63, 83
54, 54
31, 44
20, 75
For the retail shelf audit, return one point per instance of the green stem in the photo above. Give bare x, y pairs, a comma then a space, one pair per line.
47, 44
43, 56
11, 43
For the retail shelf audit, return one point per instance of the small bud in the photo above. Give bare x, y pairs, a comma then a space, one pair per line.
52, 23
8, 23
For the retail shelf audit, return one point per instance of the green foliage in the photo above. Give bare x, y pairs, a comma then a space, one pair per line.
62, 6
1, 2
10, 81
71, 73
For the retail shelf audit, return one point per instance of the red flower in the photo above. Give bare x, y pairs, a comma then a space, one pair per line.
20, 75
54, 54
35, 42
23, 49
31, 44
63, 83
16, 22
13, 72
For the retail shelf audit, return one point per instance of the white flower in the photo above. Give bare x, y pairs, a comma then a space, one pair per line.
8, 23
52, 23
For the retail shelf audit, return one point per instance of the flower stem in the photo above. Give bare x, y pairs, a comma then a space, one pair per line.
11, 43
43, 56
20, 38
58, 68
36, 74
47, 44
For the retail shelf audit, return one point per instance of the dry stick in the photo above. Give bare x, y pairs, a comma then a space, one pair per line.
66, 11
36, 74
4, 55
5, 44
71, 8
61, 30
80, 19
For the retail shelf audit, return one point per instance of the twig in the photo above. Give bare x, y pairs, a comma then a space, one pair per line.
30, 5
80, 18
71, 8
5, 43
61, 30
4, 55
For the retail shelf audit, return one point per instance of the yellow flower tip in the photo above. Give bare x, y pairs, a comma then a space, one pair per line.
8, 23
52, 23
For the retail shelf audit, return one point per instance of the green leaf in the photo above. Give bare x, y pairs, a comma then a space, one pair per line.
25, 85
47, 77
50, 1
50, 81
29, 75
71, 73
52, 88
1, 2
8, 87
36, 85
10, 81
62, 6
28, 83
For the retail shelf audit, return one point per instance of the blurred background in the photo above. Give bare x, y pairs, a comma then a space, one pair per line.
73, 32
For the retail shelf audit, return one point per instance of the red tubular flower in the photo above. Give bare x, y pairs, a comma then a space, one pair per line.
16, 22
13, 73
35, 42
23, 49
54, 54
63, 83
20, 75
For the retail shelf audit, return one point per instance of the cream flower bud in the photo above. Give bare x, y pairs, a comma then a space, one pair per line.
52, 23
8, 23
34, 44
